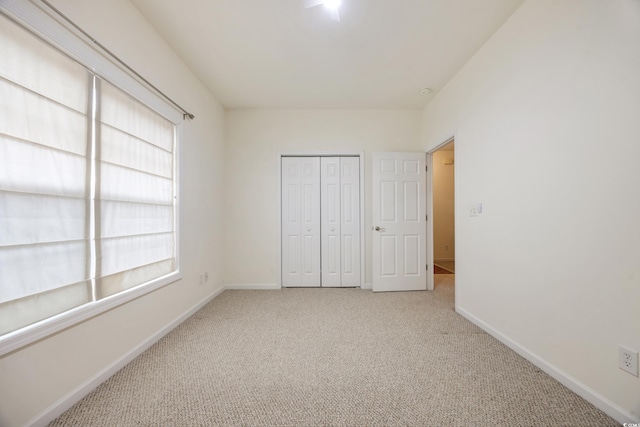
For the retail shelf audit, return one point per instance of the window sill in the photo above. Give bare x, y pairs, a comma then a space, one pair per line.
15, 340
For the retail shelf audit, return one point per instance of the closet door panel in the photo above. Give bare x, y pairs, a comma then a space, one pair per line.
300, 221
350, 220
290, 222
310, 256
331, 219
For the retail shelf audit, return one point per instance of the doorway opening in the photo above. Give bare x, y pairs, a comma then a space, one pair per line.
441, 196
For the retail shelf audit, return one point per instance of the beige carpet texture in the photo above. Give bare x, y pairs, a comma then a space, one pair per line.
331, 357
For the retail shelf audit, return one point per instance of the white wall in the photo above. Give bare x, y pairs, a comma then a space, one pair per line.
33, 378
547, 138
443, 206
254, 138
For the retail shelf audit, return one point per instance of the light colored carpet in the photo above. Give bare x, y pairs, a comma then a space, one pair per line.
331, 357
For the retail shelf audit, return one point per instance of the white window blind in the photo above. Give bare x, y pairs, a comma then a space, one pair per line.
43, 181
87, 188
136, 193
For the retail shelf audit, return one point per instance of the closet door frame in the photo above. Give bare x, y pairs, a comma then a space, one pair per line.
338, 153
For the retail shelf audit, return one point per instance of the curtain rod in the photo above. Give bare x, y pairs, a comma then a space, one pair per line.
185, 113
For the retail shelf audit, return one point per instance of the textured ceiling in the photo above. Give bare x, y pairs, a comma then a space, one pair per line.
277, 54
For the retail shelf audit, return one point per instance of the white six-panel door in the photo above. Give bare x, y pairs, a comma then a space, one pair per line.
300, 221
399, 222
320, 221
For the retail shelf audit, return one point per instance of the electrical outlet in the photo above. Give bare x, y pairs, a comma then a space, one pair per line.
206, 276
628, 360
475, 209
202, 279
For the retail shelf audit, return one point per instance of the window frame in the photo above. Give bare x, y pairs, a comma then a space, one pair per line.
61, 36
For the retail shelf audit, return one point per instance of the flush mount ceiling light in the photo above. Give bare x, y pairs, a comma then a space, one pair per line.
425, 90
331, 5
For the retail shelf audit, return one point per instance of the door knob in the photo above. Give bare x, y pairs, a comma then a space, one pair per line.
378, 228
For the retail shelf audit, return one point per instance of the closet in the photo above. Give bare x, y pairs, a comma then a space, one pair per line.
320, 221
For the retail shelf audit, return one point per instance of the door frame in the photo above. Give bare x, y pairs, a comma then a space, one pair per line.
321, 153
430, 239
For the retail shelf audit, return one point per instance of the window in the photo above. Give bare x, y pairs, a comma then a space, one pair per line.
88, 191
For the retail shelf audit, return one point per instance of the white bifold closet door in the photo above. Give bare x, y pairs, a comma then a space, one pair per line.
320, 221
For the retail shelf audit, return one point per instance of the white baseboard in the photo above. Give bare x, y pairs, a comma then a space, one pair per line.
588, 394
260, 286
73, 397
271, 286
